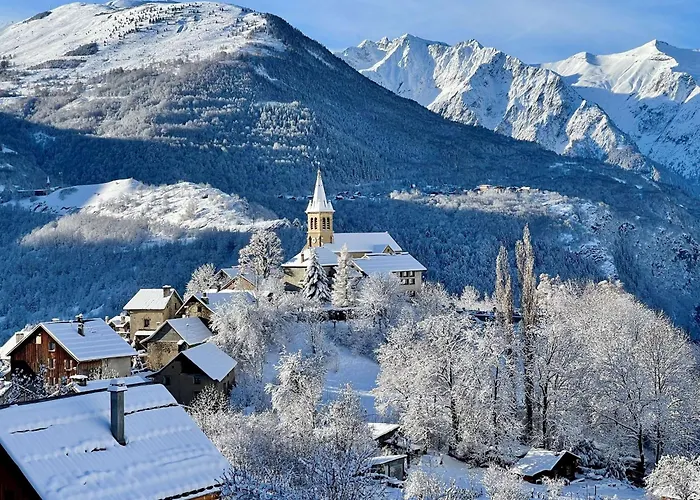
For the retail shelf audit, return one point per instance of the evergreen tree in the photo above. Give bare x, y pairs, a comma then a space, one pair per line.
316, 280
342, 288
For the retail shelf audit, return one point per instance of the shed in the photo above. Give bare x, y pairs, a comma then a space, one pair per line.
539, 463
393, 466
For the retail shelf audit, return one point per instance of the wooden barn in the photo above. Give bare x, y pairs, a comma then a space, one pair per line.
539, 464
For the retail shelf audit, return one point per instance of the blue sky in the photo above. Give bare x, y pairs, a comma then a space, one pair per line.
534, 30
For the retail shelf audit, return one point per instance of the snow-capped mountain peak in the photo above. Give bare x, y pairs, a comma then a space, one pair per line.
651, 94
479, 85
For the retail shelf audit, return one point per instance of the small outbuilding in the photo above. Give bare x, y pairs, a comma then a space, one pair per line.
196, 368
539, 464
392, 466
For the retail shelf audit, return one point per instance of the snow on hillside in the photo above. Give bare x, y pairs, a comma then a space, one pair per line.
651, 93
77, 40
185, 205
479, 85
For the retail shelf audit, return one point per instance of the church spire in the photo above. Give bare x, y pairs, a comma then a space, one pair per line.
319, 203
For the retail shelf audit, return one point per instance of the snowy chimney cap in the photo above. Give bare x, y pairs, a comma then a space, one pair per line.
117, 386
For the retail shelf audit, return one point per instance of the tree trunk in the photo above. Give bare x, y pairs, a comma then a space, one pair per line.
545, 416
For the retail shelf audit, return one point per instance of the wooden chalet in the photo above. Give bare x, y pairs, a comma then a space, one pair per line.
67, 348
196, 368
173, 337
539, 464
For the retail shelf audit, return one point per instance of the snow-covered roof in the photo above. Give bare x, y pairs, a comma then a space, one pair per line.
379, 429
119, 321
385, 263
150, 299
192, 330
11, 342
214, 300
235, 272
103, 384
98, 340
537, 461
65, 448
363, 242
319, 203
384, 460
214, 362
326, 257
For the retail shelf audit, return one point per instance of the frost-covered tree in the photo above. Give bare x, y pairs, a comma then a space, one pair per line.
675, 477
297, 393
316, 280
379, 301
501, 484
503, 294
343, 293
203, 278
263, 255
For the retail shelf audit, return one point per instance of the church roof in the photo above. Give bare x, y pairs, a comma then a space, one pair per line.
386, 263
319, 203
363, 242
326, 257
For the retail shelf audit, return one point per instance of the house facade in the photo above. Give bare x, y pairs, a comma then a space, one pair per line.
150, 308
193, 370
204, 304
371, 253
173, 337
234, 278
67, 348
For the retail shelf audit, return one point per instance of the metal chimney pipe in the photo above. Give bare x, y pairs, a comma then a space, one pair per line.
117, 388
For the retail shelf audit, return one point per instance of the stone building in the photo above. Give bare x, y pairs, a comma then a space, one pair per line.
171, 338
150, 308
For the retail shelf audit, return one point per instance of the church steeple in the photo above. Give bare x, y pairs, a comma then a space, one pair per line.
319, 213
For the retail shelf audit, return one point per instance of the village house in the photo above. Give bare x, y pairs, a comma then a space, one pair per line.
121, 324
195, 369
371, 253
65, 348
234, 278
539, 464
149, 309
125, 442
172, 337
391, 466
204, 304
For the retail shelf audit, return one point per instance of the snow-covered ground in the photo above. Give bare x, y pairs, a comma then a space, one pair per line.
358, 371
185, 205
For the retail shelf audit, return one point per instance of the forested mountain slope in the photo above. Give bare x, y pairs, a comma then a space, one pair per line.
262, 106
478, 85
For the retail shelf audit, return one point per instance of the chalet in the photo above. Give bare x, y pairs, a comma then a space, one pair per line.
196, 368
125, 442
149, 308
204, 304
67, 348
391, 466
539, 464
121, 324
172, 337
328, 244
234, 278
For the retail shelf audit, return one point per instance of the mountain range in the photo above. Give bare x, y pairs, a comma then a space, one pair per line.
212, 93
635, 109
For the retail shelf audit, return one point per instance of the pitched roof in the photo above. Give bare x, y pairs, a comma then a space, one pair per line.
103, 384
325, 256
538, 460
384, 459
379, 429
214, 362
386, 263
150, 299
98, 340
319, 203
11, 343
214, 300
192, 330
363, 242
65, 448
235, 272
119, 321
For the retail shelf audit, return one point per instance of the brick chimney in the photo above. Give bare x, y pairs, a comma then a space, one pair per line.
117, 389
167, 290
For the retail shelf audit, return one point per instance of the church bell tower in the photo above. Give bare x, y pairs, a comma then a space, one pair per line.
319, 215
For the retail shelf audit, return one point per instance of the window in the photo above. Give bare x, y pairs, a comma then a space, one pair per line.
412, 281
146, 322
52, 346
166, 380
197, 379
68, 364
199, 309
38, 339
52, 363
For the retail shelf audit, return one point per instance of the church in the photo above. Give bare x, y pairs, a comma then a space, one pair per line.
371, 253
